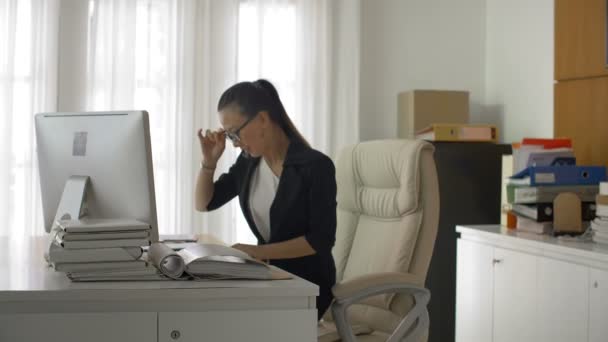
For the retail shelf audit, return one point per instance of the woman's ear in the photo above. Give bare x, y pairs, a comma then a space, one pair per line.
265, 117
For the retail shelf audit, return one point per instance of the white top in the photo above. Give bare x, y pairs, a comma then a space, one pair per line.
586, 253
264, 184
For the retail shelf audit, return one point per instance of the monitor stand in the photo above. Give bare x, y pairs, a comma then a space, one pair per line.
73, 202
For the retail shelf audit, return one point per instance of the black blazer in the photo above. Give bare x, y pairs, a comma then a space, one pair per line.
304, 205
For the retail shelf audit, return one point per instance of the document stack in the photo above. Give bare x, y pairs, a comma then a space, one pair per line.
527, 153
599, 225
542, 152
106, 249
542, 170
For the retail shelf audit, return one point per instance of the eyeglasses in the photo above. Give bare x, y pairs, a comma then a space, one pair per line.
234, 135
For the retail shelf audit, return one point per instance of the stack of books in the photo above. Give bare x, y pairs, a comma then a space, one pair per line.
542, 169
532, 191
531, 152
92, 248
599, 225
122, 250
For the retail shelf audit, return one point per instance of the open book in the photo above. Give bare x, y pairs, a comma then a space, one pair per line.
210, 261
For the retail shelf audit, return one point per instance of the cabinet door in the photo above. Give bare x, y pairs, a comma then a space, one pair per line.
515, 304
580, 113
598, 305
563, 293
580, 39
77, 327
231, 325
473, 292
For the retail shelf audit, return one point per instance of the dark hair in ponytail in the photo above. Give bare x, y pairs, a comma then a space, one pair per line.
261, 95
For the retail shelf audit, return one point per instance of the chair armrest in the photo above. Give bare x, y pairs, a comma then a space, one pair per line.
349, 292
386, 280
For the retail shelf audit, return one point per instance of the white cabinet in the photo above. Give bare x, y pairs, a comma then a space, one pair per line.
514, 294
598, 305
525, 287
474, 292
77, 327
563, 301
494, 298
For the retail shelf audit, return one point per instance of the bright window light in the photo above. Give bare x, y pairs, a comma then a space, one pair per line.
266, 49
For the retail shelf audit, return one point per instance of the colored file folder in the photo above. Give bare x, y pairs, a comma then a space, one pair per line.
548, 143
557, 157
544, 194
459, 132
559, 175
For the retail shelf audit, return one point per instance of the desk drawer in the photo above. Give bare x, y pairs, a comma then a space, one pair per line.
238, 325
78, 327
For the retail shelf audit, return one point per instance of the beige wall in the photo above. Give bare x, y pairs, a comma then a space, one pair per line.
418, 44
519, 67
501, 51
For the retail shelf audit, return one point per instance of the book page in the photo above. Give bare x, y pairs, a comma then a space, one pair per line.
166, 260
211, 261
201, 252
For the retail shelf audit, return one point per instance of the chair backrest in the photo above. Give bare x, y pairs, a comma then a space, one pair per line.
388, 212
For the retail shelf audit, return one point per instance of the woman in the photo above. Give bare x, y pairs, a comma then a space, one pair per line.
286, 189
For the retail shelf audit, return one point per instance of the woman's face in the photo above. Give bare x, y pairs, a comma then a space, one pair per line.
245, 133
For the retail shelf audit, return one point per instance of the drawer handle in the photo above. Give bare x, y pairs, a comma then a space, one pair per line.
175, 334
496, 261
595, 284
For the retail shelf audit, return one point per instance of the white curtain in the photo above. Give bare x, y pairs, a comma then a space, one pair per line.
174, 58
28, 85
310, 50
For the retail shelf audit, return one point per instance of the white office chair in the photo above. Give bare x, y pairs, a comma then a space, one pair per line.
388, 212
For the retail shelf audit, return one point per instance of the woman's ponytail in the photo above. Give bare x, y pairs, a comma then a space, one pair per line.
253, 97
278, 112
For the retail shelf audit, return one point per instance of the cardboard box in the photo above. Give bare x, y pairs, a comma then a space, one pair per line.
418, 109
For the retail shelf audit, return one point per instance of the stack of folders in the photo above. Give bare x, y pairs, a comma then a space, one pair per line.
111, 249
527, 153
599, 225
531, 193
542, 152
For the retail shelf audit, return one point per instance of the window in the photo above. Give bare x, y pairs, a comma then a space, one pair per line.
131, 58
27, 86
266, 49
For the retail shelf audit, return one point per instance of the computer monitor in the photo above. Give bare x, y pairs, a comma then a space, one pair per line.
103, 157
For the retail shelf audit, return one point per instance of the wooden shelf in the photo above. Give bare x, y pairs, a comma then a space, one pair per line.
581, 113
580, 39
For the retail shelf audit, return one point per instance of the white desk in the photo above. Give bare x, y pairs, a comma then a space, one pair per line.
39, 304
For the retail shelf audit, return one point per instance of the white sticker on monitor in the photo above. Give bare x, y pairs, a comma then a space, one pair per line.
79, 147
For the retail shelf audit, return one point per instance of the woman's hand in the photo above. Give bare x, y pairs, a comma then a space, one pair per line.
251, 250
213, 144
